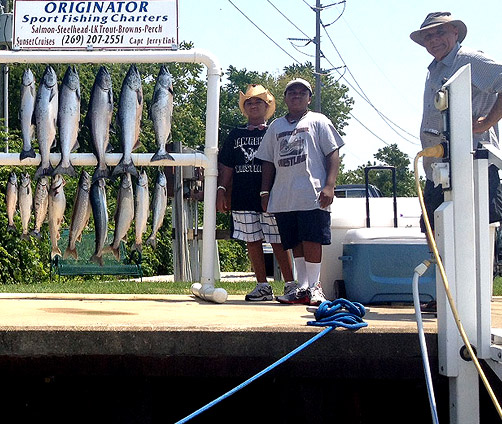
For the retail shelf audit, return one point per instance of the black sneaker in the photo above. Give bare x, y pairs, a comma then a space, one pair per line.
260, 292
300, 296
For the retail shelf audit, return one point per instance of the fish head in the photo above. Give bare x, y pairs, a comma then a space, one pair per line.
126, 181
133, 78
25, 179
71, 78
161, 179
84, 181
13, 178
143, 179
43, 181
165, 79
28, 77
103, 79
49, 79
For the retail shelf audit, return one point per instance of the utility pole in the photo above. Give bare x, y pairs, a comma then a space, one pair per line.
317, 103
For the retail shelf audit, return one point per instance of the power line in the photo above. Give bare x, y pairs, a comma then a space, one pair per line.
263, 32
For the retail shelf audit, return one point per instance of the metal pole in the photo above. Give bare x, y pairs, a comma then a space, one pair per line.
317, 103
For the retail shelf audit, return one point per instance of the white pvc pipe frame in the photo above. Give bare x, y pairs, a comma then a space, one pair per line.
205, 289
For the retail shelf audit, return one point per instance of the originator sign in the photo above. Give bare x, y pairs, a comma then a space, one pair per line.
96, 25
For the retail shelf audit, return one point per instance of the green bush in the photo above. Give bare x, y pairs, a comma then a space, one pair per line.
233, 256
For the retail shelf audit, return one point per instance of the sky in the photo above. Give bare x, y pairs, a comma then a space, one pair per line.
371, 37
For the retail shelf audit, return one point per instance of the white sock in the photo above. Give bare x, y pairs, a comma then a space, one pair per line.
313, 271
301, 272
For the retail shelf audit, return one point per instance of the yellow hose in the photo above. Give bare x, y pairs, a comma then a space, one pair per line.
437, 151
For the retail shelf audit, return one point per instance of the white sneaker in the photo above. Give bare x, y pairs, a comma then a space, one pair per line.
316, 295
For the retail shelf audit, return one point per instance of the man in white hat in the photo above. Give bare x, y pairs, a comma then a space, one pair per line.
300, 167
441, 35
240, 174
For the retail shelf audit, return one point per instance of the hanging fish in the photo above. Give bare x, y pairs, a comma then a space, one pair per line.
161, 112
68, 120
142, 210
46, 113
100, 214
128, 119
57, 206
80, 215
11, 200
98, 120
25, 199
159, 205
124, 214
28, 96
41, 205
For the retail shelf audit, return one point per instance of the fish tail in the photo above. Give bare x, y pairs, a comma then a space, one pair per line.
98, 259
27, 154
124, 168
115, 251
152, 241
36, 234
70, 252
64, 170
25, 236
11, 228
138, 247
55, 251
161, 154
41, 172
100, 173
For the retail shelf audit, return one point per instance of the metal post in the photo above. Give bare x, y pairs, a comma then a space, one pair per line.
464, 387
317, 103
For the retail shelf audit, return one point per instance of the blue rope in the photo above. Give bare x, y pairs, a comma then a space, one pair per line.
350, 319
340, 313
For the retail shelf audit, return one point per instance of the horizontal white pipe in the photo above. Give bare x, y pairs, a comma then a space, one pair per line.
112, 56
112, 159
208, 292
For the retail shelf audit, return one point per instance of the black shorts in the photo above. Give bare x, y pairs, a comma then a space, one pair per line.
298, 226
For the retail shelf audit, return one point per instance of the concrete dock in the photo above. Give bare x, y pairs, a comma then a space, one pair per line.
138, 346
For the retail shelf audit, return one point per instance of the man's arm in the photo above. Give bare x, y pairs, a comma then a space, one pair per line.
484, 123
267, 180
332, 168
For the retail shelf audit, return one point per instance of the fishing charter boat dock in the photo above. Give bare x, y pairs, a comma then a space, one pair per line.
71, 341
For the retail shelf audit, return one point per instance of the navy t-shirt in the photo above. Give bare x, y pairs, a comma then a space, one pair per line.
238, 152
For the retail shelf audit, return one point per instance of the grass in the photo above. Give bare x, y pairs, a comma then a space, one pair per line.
111, 286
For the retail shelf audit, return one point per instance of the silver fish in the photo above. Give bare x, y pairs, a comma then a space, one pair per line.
142, 210
98, 119
68, 120
161, 112
57, 206
25, 199
124, 214
28, 96
100, 214
159, 205
46, 113
11, 200
80, 215
128, 119
41, 205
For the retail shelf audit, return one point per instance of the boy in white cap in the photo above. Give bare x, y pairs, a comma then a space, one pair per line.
300, 166
240, 174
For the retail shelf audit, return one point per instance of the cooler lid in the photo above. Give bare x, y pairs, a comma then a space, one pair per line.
385, 235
